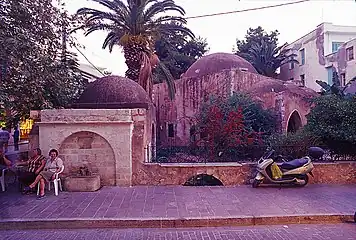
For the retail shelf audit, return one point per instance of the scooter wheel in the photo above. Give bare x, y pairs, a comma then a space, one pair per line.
256, 183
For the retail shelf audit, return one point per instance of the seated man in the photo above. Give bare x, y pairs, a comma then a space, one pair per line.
4, 162
35, 166
53, 166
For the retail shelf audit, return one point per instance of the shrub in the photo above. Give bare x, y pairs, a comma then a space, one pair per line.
294, 145
333, 120
228, 125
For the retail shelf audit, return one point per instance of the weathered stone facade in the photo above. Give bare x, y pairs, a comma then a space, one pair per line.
235, 174
285, 98
100, 138
92, 150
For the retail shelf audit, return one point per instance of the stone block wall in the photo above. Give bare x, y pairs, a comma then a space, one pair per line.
89, 149
79, 135
235, 173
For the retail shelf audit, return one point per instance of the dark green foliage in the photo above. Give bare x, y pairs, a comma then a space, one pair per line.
333, 119
135, 25
255, 117
178, 52
141, 18
253, 36
262, 51
336, 88
37, 71
294, 145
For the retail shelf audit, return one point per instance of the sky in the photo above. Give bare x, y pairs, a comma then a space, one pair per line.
292, 21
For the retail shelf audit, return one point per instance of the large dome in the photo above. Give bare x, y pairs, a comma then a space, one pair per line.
113, 92
217, 62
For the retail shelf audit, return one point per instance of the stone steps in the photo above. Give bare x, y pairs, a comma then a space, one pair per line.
80, 223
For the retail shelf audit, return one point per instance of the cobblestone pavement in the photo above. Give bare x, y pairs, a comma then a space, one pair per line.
290, 232
183, 202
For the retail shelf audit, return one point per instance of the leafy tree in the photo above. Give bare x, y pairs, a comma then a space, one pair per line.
37, 71
336, 88
333, 119
224, 124
255, 36
262, 51
178, 52
135, 25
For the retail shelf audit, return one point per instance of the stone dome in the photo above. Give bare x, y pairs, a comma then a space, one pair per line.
217, 62
274, 85
113, 92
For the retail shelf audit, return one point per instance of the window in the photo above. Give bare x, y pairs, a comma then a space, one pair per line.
335, 46
302, 79
343, 79
350, 53
291, 64
291, 79
302, 56
330, 75
170, 130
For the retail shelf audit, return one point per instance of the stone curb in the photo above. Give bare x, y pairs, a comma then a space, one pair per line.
78, 223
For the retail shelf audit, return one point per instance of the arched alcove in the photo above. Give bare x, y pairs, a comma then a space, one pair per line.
89, 149
294, 122
203, 180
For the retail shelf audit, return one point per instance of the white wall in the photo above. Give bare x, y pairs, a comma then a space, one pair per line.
312, 69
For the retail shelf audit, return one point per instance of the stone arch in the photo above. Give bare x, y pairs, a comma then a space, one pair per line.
86, 148
203, 180
294, 122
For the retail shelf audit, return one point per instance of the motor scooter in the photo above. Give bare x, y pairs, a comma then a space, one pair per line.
292, 172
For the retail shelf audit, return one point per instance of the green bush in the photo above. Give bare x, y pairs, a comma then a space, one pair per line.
333, 120
294, 145
228, 126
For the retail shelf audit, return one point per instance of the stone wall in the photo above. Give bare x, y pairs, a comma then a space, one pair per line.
192, 92
91, 150
63, 126
234, 173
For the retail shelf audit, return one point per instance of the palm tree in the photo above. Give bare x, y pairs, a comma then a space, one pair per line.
267, 57
135, 25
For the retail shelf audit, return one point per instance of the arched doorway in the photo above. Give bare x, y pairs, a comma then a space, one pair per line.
294, 122
92, 150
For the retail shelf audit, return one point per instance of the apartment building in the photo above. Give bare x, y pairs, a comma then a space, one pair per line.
326, 49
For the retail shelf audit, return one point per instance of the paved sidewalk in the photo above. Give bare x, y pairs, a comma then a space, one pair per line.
181, 202
291, 232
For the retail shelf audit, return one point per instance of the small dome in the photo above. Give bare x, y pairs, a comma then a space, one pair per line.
113, 92
274, 85
267, 85
217, 62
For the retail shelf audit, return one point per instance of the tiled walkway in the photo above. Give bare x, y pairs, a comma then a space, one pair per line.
182, 202
291, 232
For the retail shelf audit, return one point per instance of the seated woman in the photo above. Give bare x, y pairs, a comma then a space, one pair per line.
53, 165
4, 162
35, 166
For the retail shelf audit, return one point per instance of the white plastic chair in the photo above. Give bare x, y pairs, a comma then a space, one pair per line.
2, 180
56, 182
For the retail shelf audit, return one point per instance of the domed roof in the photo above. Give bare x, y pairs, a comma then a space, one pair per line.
113, 92
217, 62
274, 85
267, 85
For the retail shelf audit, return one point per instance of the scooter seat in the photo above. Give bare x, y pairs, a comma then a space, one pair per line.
296, 163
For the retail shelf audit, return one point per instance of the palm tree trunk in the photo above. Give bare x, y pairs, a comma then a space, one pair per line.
133, 61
